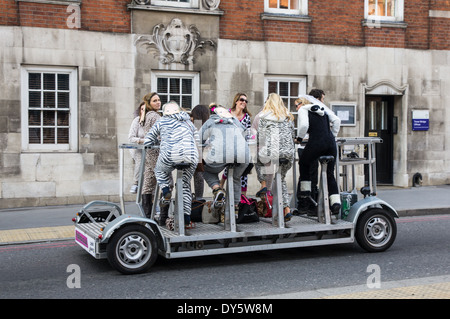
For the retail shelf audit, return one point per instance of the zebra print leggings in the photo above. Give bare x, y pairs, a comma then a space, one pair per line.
164, 179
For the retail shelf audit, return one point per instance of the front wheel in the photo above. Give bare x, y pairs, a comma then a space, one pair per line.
375, 230
132, 249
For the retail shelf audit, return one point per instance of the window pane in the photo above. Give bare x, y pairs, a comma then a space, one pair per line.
390, 8
34, 99
164, 98
49, 135
34, 135
294, 89
381, 7
63, 82
63, 100
63, 118
162, 86
34, 117
186, 102
284, 89
49, 81
49, 99
63, 135
273, 88
273, 3
372, 7
284, 4
34, 81
175, 86
294, 5
291, 105
186, 86
49, 118
175, 98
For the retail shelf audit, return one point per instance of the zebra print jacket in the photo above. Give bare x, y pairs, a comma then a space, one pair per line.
177, 141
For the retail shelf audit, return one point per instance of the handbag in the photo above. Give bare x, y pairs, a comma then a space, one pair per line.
197, 210
248, 211
210, 215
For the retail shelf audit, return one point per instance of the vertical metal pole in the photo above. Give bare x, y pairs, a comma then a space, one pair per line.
371, 166
230, 218
323, 201
374, 170
154, 202
179, 211
141, 181
295, 181
122, 205
277, 207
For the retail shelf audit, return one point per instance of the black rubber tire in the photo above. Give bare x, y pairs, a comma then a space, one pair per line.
132, 249
375, 230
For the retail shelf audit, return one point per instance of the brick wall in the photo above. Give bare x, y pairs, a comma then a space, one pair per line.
333, 22
103, 16
440, 27
338, 23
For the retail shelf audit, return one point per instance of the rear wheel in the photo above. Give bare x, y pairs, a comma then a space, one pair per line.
375, 230
132, 249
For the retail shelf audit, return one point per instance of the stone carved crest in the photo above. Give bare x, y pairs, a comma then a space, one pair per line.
211, 4
176, 43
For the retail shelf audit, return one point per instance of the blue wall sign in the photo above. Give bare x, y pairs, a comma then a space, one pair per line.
420, 120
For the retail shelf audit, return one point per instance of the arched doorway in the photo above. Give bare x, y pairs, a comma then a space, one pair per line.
384, 108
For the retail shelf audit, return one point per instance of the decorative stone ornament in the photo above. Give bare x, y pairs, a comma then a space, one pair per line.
141, 2
176, 43
211, 4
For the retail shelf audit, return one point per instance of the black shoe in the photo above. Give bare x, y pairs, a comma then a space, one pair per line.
335, 208
306, 206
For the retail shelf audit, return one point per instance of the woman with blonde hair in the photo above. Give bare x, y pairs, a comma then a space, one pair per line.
274, 126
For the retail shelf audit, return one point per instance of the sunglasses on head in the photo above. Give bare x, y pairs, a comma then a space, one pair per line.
243, 100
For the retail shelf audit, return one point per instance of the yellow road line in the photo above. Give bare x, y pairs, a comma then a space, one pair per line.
431, 291
35, 234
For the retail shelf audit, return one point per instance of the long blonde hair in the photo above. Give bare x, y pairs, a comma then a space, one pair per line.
275, 104
302, 101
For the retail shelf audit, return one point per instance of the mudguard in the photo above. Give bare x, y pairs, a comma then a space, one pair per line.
122, 220
365, 203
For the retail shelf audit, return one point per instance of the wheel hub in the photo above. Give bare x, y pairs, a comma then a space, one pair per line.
378, 230
133, 249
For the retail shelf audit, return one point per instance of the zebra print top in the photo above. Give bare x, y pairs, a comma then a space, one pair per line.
177, 141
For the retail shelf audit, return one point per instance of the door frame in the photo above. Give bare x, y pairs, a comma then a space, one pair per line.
400, 93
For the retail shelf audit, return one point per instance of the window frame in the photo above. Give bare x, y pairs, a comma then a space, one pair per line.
195, 76
72, 145
302, 80
176, 3
398, 12
302, 8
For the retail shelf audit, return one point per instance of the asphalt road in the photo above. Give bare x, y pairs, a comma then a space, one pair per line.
45, 270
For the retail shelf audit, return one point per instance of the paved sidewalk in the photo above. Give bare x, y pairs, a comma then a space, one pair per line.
33, 224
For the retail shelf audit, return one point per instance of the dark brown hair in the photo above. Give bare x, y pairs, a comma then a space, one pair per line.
236, 98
